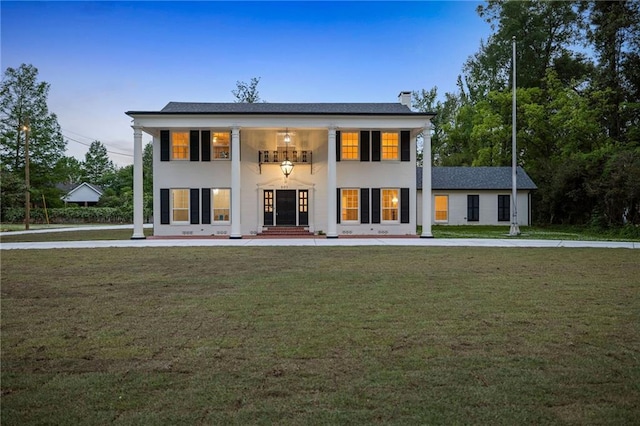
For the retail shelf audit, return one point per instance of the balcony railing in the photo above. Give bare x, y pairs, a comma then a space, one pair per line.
278, 156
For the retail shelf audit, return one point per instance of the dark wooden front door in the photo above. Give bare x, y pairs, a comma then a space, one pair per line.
286, 207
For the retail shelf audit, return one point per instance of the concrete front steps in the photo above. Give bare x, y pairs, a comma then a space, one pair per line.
286, 232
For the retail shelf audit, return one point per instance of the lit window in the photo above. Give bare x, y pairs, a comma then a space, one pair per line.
180, 145
389, 146
350, 204
390, 204
180, 205
349, 143
220, 141
442, 208
221, 204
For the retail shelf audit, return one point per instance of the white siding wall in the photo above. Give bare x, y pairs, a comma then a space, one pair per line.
488, 207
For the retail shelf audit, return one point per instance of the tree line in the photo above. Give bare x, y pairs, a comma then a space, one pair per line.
25, 114
578, 106
578, 116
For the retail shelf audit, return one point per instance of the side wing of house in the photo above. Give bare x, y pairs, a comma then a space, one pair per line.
478, 196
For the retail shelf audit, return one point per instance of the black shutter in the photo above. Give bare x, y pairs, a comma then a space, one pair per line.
194, 199
164, 207
364, 205
375, 145
338, 146
405, 146
194, 145
165, 146
205, 145
404, 205
338, 205
375, 205
206, 205
364, 145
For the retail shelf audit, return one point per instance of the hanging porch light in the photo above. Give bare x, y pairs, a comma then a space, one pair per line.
286, 166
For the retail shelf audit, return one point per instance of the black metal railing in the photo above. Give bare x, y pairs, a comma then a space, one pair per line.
278, 156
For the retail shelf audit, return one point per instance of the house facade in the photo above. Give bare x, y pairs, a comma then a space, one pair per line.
236, 169
83, 194
476, 195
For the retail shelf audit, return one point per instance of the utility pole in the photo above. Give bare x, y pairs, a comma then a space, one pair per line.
515, 230
27, 194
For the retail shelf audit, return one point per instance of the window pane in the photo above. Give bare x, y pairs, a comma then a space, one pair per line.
442, 207
389, 146
179, 145
180, 205
390, 204
221, 204
349, 142
220, 142
350, 204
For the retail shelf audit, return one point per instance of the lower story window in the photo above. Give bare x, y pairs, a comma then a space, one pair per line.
390, 204
441, 203
221, 204
504, 208
180, 205
350, 205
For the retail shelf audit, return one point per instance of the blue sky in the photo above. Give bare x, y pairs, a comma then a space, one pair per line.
105, 58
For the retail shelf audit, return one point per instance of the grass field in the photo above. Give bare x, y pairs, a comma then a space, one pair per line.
439, 231
309, 335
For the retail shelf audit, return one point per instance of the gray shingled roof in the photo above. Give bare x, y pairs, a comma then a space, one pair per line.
476, 178
284, 108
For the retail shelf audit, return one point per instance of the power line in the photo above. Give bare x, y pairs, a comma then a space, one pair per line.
93, 139
89, 145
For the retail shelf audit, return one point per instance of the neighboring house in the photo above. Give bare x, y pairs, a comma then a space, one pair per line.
477, 195
235, 169
83, 194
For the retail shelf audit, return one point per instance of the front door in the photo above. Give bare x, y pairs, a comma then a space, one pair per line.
286, 207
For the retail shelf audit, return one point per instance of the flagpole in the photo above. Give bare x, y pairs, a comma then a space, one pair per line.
515, 230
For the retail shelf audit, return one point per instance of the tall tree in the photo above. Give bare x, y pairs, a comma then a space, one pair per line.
23, 98
615, 34
247, 92
97, 168
544, 31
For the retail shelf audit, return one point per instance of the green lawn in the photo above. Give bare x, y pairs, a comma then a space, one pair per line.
311, 335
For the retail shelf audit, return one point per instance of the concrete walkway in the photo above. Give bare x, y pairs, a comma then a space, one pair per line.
319, 242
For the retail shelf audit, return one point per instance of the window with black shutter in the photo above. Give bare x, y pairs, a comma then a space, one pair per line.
206, 205
165, 146
375, 205
165, 217
364, 205
405, 146
404, 205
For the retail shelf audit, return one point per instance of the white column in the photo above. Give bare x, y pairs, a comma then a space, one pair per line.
236, 229
138, 195
332, 227
427, 197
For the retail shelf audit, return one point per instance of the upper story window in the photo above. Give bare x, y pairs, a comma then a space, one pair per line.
390, 146
221, 143
350, 145
180, 145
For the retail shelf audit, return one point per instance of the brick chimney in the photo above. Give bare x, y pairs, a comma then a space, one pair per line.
405, 98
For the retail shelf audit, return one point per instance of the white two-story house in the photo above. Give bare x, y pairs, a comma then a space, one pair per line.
238, 169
